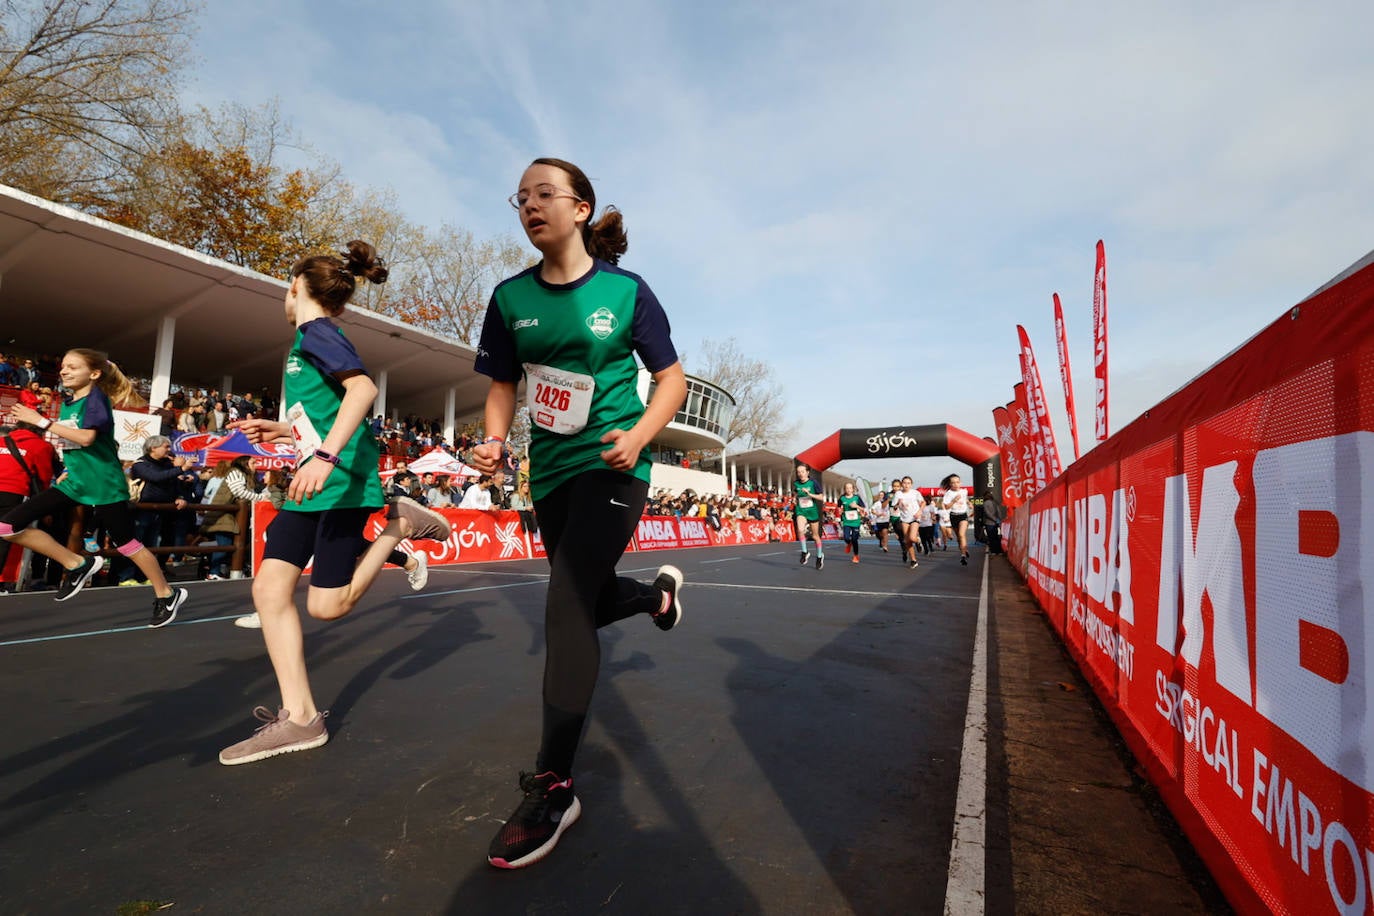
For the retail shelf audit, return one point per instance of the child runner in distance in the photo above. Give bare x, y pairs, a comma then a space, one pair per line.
851, 519
807, 494
327, 394
955, 502
94, 478
879, 519
572, 325
909, 502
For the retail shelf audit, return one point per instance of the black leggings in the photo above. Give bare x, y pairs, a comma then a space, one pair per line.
597, 511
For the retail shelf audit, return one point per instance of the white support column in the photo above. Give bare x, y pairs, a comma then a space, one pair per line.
450, 408
281, 390
379, 405
162, 362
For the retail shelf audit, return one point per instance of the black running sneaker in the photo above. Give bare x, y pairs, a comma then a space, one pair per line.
963, 559
75, 579
533, 830
805, 556
165, 609
820, 560
669, 580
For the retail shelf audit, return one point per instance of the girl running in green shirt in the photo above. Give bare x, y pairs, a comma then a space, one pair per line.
327, 393
94, 478
571, 327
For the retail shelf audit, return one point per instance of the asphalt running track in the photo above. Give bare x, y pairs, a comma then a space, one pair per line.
800, 744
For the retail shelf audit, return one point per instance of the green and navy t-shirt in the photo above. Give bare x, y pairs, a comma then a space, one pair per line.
851, 514
807, 491
575, 345
95, 476
312, 394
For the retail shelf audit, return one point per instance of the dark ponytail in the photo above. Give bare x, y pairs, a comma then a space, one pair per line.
605, 238
330, 279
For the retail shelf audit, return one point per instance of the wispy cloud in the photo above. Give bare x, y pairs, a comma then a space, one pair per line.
919, 179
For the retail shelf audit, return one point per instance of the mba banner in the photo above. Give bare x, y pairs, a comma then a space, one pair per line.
1210, 570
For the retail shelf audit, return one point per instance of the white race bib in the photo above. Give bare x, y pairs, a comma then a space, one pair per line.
559, 401
303, 431
851, 515
804, 502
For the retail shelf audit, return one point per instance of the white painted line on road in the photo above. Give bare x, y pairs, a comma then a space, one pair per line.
965, 891
725, 560
828, 591
475, 588
175, 623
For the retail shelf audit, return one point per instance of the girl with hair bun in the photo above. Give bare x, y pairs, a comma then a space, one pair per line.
328, 394
571, 326
94, 478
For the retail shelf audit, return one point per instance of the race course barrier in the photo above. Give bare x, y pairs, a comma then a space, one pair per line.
480, 536
1208, 569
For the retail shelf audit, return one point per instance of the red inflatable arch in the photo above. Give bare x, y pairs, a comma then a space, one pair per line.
930, 441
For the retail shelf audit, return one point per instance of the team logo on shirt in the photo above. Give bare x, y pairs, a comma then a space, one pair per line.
602, 323
525, 323
293, 365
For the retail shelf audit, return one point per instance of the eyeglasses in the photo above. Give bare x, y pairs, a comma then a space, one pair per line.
543, 194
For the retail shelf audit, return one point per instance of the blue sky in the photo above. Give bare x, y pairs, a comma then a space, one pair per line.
872, 195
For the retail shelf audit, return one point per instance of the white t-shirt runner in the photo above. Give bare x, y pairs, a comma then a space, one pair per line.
909, 503
955, 501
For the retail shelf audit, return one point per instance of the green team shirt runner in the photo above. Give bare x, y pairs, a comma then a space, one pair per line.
575, 346
312, 394
808, 494
95, 476
850, 516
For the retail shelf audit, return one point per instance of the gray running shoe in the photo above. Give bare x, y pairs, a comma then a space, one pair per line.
425, 524
74, 580
418, 576
277, 735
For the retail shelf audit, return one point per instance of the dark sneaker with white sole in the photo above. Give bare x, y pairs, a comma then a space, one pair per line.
669, 581
804, 557
74, 580
820, 561
531, 833
165, 609
277, 735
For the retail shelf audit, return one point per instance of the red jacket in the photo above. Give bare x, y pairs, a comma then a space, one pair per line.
38, 455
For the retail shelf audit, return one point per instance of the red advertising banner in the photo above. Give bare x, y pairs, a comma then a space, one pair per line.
1006, 446
1061, 336
1100, 343
1207, 567
479, 536
1025, 450
1047, 465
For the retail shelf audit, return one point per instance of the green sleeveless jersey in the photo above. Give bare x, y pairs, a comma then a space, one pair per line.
808, 496
312, 394
95, 476
575, 346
